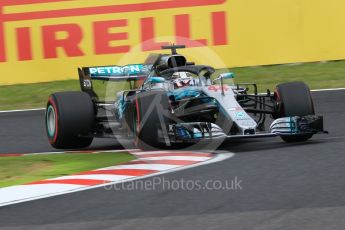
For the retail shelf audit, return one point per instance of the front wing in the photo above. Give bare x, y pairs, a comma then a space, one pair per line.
205, 131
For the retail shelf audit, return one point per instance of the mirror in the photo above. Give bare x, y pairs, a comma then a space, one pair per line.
223, 77
227, 75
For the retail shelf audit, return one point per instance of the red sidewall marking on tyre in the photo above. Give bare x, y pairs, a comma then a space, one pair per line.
51, 101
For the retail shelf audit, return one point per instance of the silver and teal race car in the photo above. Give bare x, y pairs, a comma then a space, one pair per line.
170, 101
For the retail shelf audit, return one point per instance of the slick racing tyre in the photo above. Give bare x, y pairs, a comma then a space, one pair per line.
151, 117
70, 117
294, 99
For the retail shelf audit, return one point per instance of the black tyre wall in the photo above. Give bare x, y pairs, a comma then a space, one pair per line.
75, 119
295, 100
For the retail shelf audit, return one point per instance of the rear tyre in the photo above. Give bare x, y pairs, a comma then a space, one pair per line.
294, 99
151, 116
70, 117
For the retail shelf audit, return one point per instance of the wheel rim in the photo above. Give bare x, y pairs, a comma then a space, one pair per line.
51, 121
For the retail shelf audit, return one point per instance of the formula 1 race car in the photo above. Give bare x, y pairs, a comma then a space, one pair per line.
171, 101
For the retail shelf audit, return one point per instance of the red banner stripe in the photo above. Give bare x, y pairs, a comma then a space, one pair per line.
26, 2
126, 8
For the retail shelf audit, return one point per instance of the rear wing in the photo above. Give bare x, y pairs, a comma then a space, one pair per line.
117, 73
132, 72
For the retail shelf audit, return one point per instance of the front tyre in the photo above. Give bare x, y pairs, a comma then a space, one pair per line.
294, 99
69, 120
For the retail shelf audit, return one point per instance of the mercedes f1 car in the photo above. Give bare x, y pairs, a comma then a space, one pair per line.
171, 101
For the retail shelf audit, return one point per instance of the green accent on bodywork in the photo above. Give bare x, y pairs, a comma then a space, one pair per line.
185, 92
156, 80
293, 125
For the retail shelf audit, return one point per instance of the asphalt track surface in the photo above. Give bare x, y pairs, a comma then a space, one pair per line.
283, 186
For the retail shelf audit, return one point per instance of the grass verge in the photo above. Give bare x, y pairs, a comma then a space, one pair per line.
25, 169
320, 75
317, 75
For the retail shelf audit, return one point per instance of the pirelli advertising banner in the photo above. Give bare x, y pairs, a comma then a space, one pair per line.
46, 40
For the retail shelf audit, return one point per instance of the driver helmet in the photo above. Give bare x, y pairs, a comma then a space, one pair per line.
182, 79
